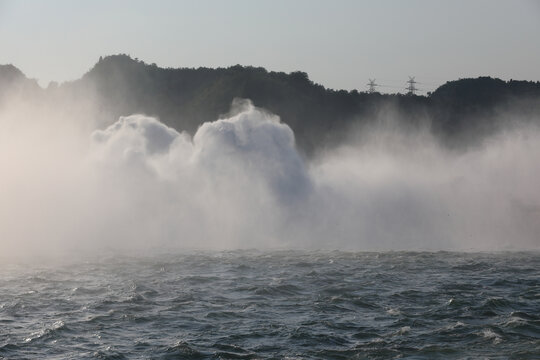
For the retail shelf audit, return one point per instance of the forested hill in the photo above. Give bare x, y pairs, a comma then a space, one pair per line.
459, 111
12, 80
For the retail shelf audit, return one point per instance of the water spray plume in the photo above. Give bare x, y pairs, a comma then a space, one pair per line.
239, 182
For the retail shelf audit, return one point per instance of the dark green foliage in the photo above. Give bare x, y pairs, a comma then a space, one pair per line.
458, 111
468, 109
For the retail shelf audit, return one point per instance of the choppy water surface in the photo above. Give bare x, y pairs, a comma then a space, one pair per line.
230, 305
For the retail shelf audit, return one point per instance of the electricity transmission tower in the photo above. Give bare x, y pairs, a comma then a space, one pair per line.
371, 86
411, 87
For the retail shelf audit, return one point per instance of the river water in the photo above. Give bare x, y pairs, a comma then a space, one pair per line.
282, 304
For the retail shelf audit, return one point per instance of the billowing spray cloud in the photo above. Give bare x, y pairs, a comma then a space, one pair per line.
240, 182
229, 185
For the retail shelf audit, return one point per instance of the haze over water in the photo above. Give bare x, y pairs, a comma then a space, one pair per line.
245, 213
239, 182
88, 214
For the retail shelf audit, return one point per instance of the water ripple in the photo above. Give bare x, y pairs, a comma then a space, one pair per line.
285, 304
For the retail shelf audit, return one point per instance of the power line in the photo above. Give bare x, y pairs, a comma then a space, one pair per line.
411, 87
391, 86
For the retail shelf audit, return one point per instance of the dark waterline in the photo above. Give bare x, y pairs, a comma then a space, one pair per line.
250, 304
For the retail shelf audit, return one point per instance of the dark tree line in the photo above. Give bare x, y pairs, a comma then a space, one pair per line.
461, 111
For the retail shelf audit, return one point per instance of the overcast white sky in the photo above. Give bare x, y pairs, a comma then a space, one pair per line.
340, 44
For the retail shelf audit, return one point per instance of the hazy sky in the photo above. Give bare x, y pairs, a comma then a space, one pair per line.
340, 44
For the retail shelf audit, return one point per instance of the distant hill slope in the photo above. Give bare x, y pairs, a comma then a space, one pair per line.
12, 80
462, 110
